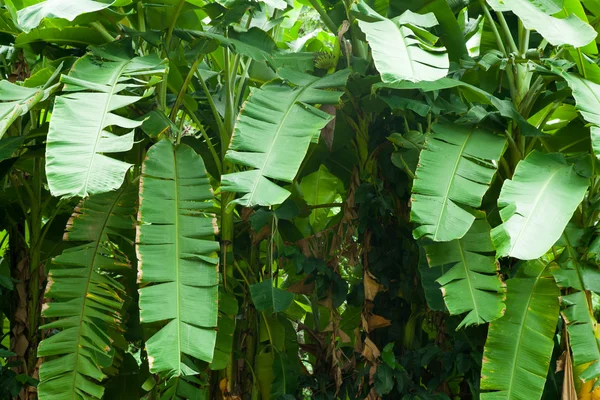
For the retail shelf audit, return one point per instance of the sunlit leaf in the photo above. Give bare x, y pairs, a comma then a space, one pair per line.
177, 267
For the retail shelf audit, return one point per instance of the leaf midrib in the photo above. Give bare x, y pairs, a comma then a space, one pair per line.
533, 209
468, 278
522, 327
105, 111
593, 92
574, 257
450, 182
177, 272
279, 129
87, 285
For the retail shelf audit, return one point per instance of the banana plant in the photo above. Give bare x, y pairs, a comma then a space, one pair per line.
331, 199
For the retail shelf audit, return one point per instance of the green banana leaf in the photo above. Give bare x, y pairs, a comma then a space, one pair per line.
472, 283
519, 345
228, 310
402, 47
30, 17
455, 170
79, 136
537, 15
18, 100
177, 258
587, 97
273, 132
320, 187
585, 345
266, 297
536, 205
572, 271
86, 300
429, 281
79, 36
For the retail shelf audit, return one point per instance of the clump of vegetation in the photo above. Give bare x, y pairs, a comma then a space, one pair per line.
308, 199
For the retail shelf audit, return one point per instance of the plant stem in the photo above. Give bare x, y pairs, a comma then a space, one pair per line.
211, 147
162, 92
172, 26
524, 39
102, 30
141, 17
507, 33
512, 143
326, 20
500, 43
184, 87
216, 115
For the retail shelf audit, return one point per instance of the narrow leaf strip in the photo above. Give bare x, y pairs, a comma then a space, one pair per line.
177, 256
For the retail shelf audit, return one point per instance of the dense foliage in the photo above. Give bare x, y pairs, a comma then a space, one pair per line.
299, 199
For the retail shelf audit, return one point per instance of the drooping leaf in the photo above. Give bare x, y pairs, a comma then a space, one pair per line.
30, 17
402, 48
587, 97
572, 271
79, 136
177, 258
450, 31
87, 301
581, 326
455, 170
273, 132
228, 310
255, 43
536, 205
429, 281
9, 145
471, 284
409, 146
537, 15
519, 345
18, 100
79, 36
268, 298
